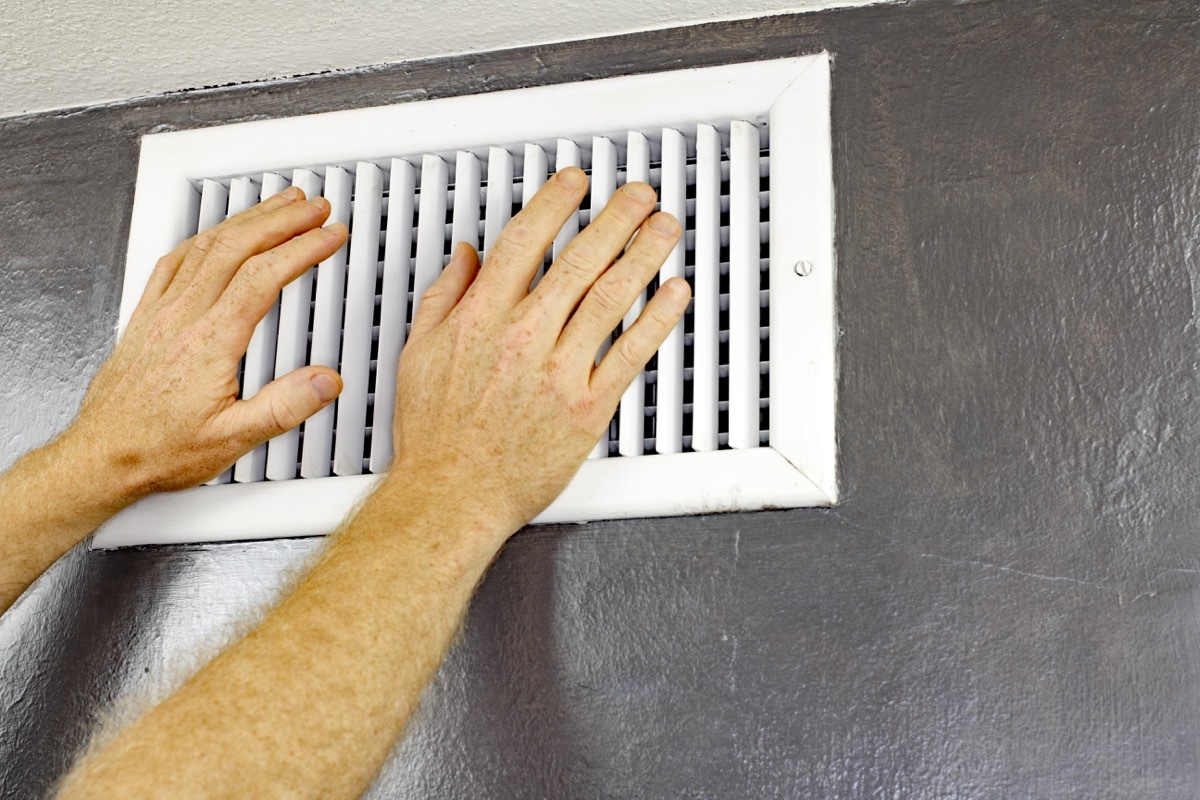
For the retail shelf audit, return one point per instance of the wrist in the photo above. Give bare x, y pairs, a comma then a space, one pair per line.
100, 482
457, 524
55, 496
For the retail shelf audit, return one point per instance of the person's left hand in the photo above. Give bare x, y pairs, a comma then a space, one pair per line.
163, 412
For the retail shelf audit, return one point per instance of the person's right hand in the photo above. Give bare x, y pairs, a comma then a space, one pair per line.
499, 397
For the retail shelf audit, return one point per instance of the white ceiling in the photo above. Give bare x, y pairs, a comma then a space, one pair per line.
84, 52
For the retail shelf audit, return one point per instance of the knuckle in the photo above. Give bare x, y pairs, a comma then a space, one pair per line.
282, 417
583, 405
608, 297
626, 210
517, 338
225, 243
577, 261
516, 237
202, 242
629, 352
662, 318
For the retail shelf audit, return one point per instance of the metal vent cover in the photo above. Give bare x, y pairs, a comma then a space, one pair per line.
736, 412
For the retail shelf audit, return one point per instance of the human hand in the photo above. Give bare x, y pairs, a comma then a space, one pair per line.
163, 412
499, 398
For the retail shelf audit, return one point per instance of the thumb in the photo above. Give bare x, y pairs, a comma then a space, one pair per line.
283, 404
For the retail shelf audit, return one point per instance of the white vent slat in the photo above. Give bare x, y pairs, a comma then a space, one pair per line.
499, 202
603, 184
744, 279
534, 173
466, 200
214, 202
673, 194
567, 155
291, 346
431, 222
243, 194
259, 366
707, 290
397, 267
631, 419
326, 342
357, 333
735, 411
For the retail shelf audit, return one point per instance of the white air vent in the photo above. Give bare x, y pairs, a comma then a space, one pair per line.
736, 412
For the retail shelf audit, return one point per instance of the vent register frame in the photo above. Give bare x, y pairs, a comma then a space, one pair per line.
793, 464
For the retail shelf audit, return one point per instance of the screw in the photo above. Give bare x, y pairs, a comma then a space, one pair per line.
803, 268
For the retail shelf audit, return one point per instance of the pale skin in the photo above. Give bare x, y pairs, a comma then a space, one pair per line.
499, 401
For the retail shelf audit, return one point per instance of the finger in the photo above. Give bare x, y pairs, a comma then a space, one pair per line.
441, 298
168, 266
591, 252
244, 234
633, 348
258, 283
281, 405
164, 272
518, 252
232, 246
605, 304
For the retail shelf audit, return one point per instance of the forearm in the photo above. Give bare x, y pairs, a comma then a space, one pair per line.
310, 702
52, 497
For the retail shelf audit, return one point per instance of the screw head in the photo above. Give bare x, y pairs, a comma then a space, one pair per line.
803, 268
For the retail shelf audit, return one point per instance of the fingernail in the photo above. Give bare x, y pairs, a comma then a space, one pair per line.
325, 387
319, 202
680, 290
665, 224
572, 177
337, 228
293, 193
639, 191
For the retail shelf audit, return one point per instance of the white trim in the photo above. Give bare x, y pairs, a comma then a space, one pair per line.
709, 483
804, 339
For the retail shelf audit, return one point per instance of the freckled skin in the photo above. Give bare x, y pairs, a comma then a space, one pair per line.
499, 400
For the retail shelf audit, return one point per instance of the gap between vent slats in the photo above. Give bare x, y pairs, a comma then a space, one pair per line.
259, 365
397, 267
327, 325
362, 275
292, 343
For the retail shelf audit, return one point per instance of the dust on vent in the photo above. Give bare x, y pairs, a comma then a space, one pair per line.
735, 412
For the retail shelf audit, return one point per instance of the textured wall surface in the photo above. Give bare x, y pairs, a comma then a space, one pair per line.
82, 52
1005, 605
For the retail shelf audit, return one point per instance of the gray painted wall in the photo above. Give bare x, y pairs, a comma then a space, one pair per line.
1006, 602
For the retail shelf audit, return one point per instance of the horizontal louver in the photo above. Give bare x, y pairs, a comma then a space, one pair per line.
740, 155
